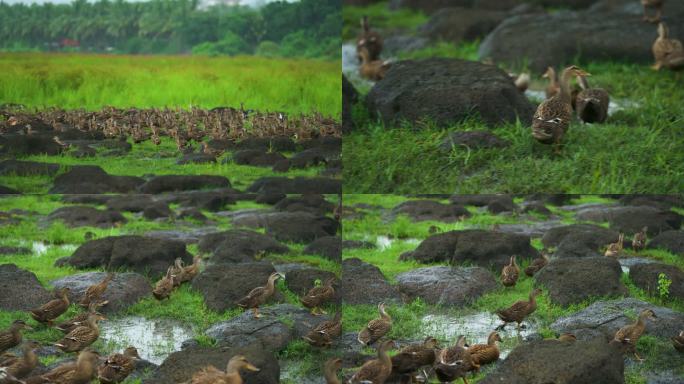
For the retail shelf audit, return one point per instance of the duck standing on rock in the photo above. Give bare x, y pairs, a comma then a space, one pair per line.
482, 354
212, 375
658, 5
668, 53
376, 371
52, 309
454, 362
519, 310
323, 334
414, 357
11, 337
614, 249
628, 336
639, 240
95, 292
81, 336
510, 273
330, 369
118, 366
259, 295
317, 296
164, 287
591, 104
376, 328
553, 115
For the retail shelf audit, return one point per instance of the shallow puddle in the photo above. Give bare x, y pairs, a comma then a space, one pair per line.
40, 248
154, 339
350, 66
291, 373
385, 242
476, 328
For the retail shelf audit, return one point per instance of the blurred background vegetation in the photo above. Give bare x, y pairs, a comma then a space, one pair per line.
306, 28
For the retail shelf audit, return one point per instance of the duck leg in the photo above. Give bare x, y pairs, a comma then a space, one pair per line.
256, 312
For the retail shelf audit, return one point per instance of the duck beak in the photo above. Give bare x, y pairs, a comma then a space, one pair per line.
252, 368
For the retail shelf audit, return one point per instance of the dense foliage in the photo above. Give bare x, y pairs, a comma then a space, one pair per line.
308, 28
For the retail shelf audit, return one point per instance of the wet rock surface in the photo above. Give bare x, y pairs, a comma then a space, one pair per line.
420, 210
123, 291
672, 241
456, 24
21, 289
573, 280
239, 246
170, 183
301, 280
447, 91
363, 283
630, 220
646, 276
91, 179
136, 253
446, 285
329, 247
82, 216
299, 185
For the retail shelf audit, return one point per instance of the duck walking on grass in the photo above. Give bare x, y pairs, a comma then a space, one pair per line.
81, 336
212, 375
376, 328
519, 310
668, 53
454, 362
639, 240
118, 366
375, 371
628, 336
79, 319
80, 372
259, 295
510, 273
22, 366
317, 296
614, 249
537, 264
52, 309
164, 287
591, 104
552, 88
12, 337
413, 357
330, 369
482, 354
553, 115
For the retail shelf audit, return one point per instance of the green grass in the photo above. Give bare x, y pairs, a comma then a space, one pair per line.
93, 81
379, 18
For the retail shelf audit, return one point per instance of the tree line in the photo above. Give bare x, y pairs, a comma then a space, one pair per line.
308, 28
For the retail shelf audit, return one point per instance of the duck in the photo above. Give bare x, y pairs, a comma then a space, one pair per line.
323, 334
482, 354
628, 336
12, 336
259, 295
53, 308
330, 369
376, 371
95, 292
191, 270
177, 271
212, 375
372, 69
118, 366
553, 88
209, 151
537, 264
80, 372
639, 240
510, 273
319, 295
454, 362
79, 319
415, 356
614, 249
678, 342
552, 118
519, 310
658, 5
668, 53
81, 336
369, 40
20, 367
591, 104
521, 81
567, 337
163, 288
376, 328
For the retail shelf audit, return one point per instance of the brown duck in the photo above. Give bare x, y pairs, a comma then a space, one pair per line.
52, 309
79, 319
191, 270
81, 336
80, 372
372, 69
413, 357
376, 371
163, 288
454, 362
370, 40
330, 369
259, 295
510, 273
553, 115
317, 296
591, 104
639, 240
94, 292
678, 342
553, 88
376, 328
178, 272
212, 375
12, 336
668, 53
537, 264
21, 367
323, 334
519, 310
628, 336
118, 366
567, 337
482, 354
614, 249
